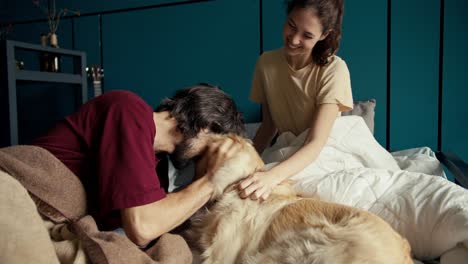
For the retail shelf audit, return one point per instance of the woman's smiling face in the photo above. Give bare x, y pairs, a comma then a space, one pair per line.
301, 32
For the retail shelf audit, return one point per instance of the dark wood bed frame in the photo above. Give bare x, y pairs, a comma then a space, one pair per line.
456, 166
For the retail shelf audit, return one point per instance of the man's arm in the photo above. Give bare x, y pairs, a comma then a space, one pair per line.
144, 223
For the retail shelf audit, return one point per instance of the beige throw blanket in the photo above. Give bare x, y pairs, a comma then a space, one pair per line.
59, 197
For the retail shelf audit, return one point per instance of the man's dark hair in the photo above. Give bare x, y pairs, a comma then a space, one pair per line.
203, 106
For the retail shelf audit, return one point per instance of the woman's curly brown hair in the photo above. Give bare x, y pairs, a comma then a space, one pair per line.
330, 14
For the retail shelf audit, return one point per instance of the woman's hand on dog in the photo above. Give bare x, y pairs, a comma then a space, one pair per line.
258, 186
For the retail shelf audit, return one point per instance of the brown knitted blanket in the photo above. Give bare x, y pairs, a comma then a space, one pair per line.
60, 197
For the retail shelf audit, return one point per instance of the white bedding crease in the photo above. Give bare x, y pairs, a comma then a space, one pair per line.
353, 169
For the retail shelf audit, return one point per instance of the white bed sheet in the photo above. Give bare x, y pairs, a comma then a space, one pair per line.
353, 169
421, 159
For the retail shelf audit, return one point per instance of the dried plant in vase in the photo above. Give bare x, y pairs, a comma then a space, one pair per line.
53, 17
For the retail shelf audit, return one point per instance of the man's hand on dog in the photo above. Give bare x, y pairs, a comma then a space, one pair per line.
216, 153
258, 186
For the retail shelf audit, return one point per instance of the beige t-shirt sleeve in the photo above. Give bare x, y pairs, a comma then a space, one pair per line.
335, 86
257, 94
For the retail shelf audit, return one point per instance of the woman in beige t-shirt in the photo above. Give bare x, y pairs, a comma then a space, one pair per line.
300, 86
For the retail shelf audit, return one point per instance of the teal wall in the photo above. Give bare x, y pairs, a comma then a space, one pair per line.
365, 52
414, 73
394, 50
455, 78
177, 46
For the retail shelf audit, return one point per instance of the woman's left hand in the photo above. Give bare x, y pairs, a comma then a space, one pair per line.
258, 186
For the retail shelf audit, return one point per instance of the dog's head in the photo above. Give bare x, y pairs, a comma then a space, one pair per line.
245, 162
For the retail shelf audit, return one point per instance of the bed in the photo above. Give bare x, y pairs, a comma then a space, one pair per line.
437, 229
409, 188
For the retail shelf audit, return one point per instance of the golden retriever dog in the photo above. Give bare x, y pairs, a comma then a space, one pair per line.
286, 228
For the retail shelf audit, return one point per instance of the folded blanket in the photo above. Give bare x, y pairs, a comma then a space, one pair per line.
110, 247
68, 247
23, 239
45, 177
60, 197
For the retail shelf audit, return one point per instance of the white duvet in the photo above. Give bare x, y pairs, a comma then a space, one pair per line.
353, 169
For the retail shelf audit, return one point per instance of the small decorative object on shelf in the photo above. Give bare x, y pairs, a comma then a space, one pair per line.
44, 56
55, 60
96, 73
20, 65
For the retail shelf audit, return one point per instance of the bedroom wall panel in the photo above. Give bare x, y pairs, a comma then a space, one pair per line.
364, 48
455, 79
87, 36
273, 18
25, 10
92, 6
19, 10
414, 73
157, 51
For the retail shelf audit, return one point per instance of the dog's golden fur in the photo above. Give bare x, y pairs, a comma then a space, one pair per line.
286, 228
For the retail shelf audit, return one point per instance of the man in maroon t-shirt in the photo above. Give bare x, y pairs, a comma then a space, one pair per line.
111, 142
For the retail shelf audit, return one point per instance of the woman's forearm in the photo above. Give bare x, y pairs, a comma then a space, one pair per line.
319, 132
298, 161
